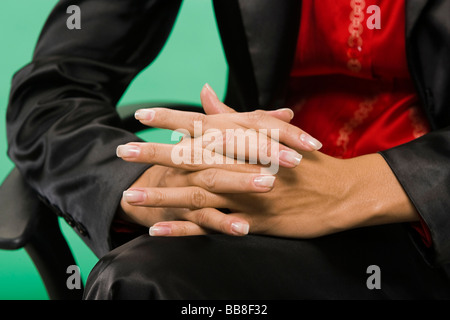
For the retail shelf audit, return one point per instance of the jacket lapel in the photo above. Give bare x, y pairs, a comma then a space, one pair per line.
271, 28
413, 10
259, 39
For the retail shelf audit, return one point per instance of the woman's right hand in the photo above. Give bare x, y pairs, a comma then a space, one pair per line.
211, 178
211, 181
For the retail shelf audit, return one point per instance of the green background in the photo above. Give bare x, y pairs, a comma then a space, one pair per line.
192, 56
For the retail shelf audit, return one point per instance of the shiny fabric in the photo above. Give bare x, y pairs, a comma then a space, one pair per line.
350, 86
326, 95
63, 128
224, 267
62, 125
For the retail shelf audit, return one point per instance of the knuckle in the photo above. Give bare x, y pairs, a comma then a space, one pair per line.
208, 179
256, 116
193, 158
163, 114
198, 119
169, 175
224, 226
163, 180
291, 130
190, 166
198, 199
182, 230
150, 151
264, 147
202, 218
197, 116
157, 197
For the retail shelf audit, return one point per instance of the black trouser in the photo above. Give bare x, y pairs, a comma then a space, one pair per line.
259, 267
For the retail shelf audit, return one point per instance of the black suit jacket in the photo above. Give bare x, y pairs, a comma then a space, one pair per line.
63, 128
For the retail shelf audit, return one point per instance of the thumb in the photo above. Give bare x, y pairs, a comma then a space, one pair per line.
211, 103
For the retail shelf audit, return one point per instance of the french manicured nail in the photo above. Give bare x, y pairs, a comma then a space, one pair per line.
159, 231
291, 113
310, 141
264, 181
240, 228
128, 151
144, 114
207, 86
291, 157
134, 196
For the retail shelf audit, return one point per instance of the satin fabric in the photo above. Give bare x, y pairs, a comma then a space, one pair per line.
350, 86
325, 97
218, 267
63, 128
62, 124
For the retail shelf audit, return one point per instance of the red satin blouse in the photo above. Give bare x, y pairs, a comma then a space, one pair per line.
350, 87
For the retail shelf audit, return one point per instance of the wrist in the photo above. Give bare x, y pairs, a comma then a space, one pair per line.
376, 196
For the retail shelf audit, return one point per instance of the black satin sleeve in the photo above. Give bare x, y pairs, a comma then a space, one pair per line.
62, 124
422, 166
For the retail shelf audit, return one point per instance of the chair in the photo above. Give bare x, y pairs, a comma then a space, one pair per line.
26, 222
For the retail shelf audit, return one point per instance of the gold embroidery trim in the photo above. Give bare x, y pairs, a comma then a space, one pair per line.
355, 29
358, 118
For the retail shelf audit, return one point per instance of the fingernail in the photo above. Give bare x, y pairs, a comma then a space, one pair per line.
207, 86
144, 114
264, 181
133, 196
289, 110
310, 141
159, 231
291, 157
240, 228
128, 151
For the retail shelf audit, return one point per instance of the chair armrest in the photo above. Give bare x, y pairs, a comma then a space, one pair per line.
19, 204
20, 208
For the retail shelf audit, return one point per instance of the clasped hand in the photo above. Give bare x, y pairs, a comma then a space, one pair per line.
310, 195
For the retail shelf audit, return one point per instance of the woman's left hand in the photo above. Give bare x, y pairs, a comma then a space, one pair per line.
320, 196
323, 195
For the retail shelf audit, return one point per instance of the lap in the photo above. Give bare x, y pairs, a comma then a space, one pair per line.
259, 267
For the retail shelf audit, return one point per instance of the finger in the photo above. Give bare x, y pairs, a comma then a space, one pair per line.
192, 124
200, 222
277, 129
267, 224
184, 197
211, 103
195, 124
230, 155
176, 229
247, 146
287, 158
181, 156
222, 181
257, 148
284, 114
